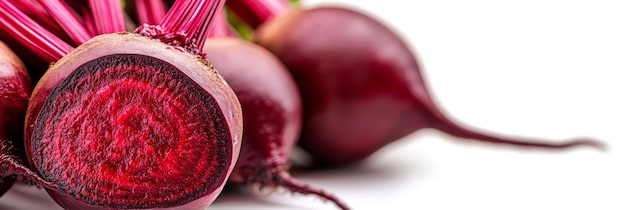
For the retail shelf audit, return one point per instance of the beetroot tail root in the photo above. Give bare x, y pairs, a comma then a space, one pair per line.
447, 126
361, 85
286, 180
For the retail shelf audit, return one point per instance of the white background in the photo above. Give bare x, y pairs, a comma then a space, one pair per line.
536, 68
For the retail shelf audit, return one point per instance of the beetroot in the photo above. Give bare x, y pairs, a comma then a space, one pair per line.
272, 113
132, 120
15, 88
360, 84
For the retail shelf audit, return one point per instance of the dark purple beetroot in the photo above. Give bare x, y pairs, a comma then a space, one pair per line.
361, 85
134, 120
272, 113
15, 88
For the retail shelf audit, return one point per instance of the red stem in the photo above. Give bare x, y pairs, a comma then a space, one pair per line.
43, 18
68, 19
150, 11
221, 28
82, 9
90, 24
255, 12
107, 16
30, 34
192, 19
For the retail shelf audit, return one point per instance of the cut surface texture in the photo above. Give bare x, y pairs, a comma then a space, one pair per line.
140, 128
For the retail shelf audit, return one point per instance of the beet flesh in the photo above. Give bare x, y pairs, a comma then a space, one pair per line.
15, 88
272, 113
361, 85
127, 122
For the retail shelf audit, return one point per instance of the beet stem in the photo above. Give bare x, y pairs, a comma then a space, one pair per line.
284, 179
107, 16
39, 15
68, 19
82, 8
255, 12
192, 19
30, 34
150, 11
221, 28
90, 24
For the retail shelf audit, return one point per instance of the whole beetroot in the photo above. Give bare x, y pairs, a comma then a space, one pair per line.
360, 83
15, 88
272, 113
